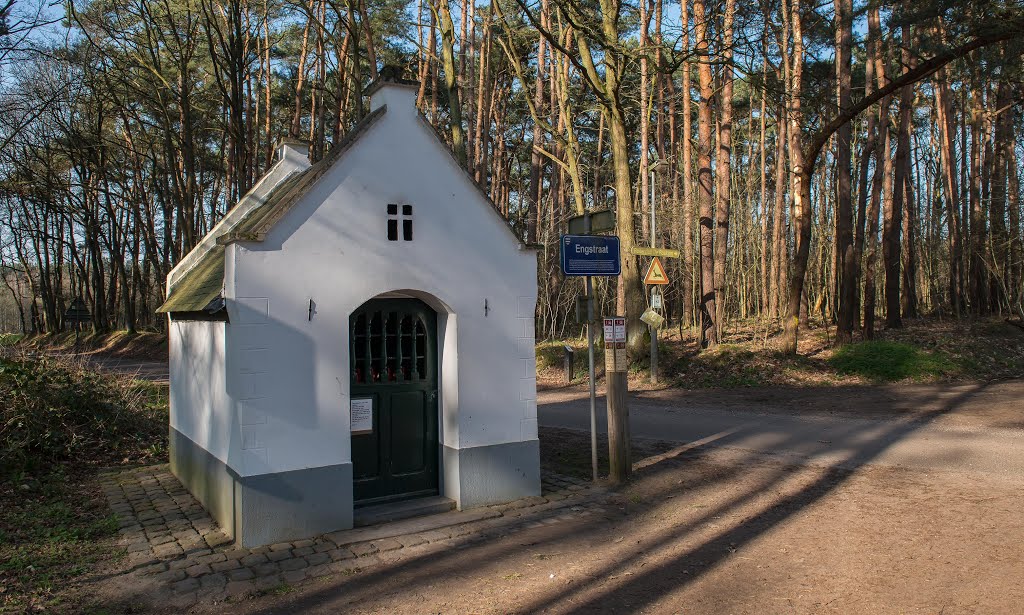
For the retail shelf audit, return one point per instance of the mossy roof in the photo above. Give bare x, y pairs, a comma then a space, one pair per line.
200, 287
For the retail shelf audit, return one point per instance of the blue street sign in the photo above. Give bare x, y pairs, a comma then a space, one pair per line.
590, 255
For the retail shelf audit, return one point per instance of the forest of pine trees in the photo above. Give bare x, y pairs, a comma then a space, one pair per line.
856, 163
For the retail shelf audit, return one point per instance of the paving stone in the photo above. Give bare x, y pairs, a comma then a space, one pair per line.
338, 555
276, 556
240, 574
228, 564
252, 560
211, 558
153, 568
295, 563
179, 564
138, 547
387, 544
197, 570
161, 539
267, 569
168, 550
216, 539
282, 546
267, 583
411, 540
186, 536
317, 571
363, 548
302, 551
187, 585
300, 544
216, 579
236, 553
169, 576
323, 546
316, 559
293, 576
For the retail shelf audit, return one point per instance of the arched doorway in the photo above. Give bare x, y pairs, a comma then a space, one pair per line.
393, 355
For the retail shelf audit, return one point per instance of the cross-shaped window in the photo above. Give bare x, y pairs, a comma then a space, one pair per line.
394, 218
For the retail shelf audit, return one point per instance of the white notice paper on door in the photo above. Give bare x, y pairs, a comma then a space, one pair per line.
362, 415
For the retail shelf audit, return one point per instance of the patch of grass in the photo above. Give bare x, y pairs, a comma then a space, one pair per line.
9, 340
885, 361
59, 423
53, 528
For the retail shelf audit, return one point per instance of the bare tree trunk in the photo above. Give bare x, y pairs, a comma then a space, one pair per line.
979, 299
997, 202
801, 184
723, 172
451, 78
780, 234
686, 169
705, 181
1016, 272
845, 254
891, 251
878, 181
766, 217
296, 128
536, 158
951, 191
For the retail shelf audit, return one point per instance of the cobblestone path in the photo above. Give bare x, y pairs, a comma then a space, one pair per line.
172, 542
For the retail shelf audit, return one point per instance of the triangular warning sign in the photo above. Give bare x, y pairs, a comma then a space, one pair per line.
656, 273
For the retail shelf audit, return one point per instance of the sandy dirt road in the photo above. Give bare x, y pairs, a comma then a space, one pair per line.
805, 508
886, 499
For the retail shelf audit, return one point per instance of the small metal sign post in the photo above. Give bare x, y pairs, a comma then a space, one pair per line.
655, 277
590, 255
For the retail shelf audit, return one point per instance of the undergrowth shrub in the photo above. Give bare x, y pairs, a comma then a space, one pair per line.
55, 410
890, 361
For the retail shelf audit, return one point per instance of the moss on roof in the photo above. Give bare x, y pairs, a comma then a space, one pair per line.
200, 287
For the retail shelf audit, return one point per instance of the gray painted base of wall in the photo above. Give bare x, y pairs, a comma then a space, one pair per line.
267, 508
208, 478
292, 505
485, 475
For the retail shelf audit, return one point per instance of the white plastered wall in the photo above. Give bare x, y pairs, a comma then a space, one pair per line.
199, 405
288, 373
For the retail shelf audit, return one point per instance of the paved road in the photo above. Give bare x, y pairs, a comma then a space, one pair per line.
154, 371
924, 440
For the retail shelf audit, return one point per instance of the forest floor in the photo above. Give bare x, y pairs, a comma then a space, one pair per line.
927, 350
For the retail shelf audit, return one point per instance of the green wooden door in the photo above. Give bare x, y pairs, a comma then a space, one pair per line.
394, 365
